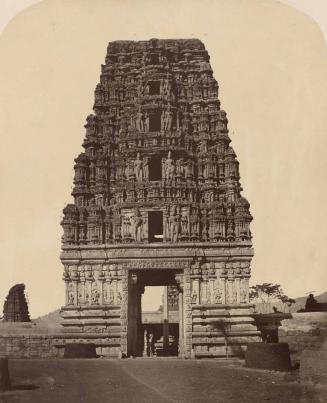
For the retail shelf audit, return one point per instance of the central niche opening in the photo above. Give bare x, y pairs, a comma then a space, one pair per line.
155, 222
155, 173
154, 58
154, 87
155, 122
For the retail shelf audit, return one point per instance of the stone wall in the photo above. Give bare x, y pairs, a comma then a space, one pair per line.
30, 340
29, 346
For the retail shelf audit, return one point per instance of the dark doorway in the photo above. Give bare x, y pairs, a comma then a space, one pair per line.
155, 122
154, 87
155, 221
155, 328
155, 169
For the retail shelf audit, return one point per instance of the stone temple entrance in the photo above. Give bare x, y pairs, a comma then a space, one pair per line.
157, 200
158, 333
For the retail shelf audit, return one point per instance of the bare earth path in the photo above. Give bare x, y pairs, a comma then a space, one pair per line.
149, 380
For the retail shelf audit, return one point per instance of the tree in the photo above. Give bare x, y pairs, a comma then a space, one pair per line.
287, 302
265, 293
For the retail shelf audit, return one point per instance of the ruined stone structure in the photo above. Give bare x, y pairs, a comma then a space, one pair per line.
157, 201
15, 308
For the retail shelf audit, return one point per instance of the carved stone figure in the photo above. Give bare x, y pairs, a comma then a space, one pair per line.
139, 121
184, 224
133, 121
71, 299
126, 226
170, 167
174, 225
137, 222
95, 297
146, 122
179, 167
217, 296
167, 119
138, 168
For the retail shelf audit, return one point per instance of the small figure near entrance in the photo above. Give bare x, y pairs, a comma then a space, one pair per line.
149, 344
145, 344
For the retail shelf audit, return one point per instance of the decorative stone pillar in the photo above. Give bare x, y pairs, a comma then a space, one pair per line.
75, 280
88, 291
237, 284
165, 321
123, 312
81, 287
66, 279
179, 280
165, 226
101, 279
115, 290
187, 313
211, 290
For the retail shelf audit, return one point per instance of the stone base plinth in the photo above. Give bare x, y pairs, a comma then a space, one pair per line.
97, 324
222, 330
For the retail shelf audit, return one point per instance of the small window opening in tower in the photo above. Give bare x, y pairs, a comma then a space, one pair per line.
154, 58
155, 170
154, 87
155, 122
155, 221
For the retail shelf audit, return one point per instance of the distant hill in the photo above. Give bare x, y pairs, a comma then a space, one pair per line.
299, 304
51, 320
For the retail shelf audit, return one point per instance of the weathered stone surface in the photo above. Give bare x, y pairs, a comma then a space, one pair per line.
4, 374
15, 308
156, 189
304, 331
313, 366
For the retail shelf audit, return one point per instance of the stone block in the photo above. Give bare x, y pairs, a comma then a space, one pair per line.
275, 356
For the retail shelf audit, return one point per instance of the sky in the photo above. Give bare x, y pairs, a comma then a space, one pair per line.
270, 62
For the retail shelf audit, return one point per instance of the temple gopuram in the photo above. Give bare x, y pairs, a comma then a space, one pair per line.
15, 308
157, 202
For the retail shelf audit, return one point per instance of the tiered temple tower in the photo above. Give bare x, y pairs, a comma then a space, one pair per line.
157, 201
15, 308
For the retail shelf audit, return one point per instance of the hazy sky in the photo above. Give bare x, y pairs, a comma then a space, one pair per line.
270, 61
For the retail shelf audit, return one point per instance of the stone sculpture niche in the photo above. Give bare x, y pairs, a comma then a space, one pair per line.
15, 308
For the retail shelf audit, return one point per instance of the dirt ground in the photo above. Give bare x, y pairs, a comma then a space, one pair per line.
158, 380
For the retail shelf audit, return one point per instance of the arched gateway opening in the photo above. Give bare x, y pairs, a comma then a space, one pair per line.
154, 333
